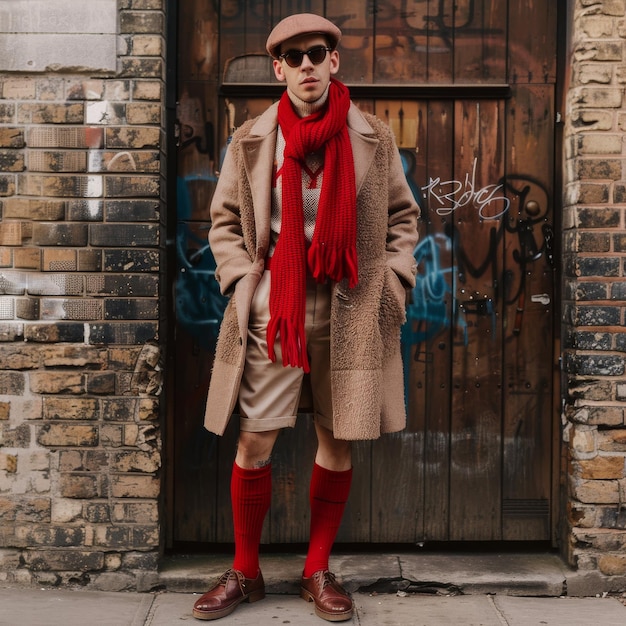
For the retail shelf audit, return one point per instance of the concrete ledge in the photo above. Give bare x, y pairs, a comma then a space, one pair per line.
451, 574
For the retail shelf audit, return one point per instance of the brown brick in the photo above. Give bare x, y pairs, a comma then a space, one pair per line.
19, 89
132, 211
601, 467
79, 356
136, 235
146, 90
27, 258
5, 408
55, 137
11, 161
89, 261
135, 461
31, 209
57, 382
131, 309
10, 233
71, 408
6, 257
19, 356
131, 260
12, 383
143, 113
125, 138
90, 210
85, 309
133, 67
132, 186
146, 45
596, 491
126, 333
33, 510
88, 89
7, 113
7, 185
55, 333
101, 383
133, 486
57, 161
141, 22
75, 435
59, 186
59, 260
130, 162
127, 285
57, 234
27, 308
65, 560
51, 88
136, 512
12, 137
78, 486
66, 113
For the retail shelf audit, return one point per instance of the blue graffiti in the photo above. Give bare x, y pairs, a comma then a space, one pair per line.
199, 303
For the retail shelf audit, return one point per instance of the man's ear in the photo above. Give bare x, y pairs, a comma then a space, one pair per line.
334, 62
278, 70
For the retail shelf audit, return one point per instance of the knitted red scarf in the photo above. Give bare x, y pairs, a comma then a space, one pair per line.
332, 253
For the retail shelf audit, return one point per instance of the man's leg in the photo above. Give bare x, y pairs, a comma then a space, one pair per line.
251, 494
330, 488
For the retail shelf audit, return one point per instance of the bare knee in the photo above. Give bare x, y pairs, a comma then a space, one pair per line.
254, 450
333, 454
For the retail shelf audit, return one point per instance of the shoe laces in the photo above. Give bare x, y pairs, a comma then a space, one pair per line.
233, 573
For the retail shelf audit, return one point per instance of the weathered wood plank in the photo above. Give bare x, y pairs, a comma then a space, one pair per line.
529, 301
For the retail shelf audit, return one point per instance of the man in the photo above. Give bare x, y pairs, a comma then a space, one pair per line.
313, 230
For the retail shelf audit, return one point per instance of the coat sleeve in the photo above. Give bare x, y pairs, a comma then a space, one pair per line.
403, 213
226, 233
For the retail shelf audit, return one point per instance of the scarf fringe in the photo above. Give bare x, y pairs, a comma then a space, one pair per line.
325, 262
292, 342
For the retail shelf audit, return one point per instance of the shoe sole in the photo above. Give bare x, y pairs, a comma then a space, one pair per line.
329, 617
254, 596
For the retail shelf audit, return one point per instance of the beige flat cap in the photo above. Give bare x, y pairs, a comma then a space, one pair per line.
301, 24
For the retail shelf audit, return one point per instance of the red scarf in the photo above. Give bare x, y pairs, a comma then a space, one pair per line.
332, 253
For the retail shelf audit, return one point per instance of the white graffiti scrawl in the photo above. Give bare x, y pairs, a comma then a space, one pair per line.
445, 197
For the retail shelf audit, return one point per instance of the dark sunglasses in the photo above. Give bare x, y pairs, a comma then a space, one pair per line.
293, 58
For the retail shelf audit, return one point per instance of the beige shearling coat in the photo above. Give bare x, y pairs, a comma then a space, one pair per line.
366, 365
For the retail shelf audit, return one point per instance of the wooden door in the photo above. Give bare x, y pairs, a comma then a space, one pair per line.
468, 87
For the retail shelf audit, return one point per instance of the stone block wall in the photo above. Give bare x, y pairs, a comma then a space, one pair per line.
81, 261
594, 280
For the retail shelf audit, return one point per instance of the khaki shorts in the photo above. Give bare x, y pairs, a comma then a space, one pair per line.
269, 393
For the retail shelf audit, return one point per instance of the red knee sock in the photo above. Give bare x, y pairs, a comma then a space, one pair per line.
251, 495
328, 496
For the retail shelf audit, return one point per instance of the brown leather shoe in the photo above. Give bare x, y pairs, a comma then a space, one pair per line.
332, 603
230, 590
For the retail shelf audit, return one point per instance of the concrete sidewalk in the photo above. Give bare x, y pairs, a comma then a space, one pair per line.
414, 589
37, 607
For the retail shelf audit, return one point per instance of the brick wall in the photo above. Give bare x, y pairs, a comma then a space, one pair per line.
594, 339
81, 242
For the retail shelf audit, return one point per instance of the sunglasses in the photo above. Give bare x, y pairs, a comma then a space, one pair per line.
293, 58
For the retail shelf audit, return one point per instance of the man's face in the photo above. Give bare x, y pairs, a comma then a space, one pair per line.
307, 81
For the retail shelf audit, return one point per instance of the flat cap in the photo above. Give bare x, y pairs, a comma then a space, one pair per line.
301, 24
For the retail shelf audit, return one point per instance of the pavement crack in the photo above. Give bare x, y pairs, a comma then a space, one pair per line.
497, 611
